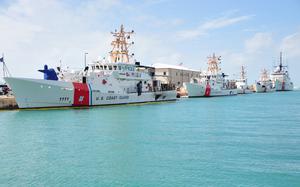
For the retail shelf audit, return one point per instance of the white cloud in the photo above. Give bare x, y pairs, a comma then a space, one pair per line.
262, 51
291, 45
34, 33
152, 49
16, 32
190, 34
154, 2
158, 22
255, 56
258, 42
223, 22
213, 24
170, 58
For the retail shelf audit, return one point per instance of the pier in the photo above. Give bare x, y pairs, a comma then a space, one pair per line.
7, 102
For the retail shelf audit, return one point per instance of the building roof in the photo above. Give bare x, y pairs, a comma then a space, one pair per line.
170, 66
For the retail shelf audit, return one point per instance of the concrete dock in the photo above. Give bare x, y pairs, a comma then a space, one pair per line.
7, 102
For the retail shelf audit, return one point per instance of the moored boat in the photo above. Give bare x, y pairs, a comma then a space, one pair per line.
242, 83
264, 84
212, 82
280, 77
105, 82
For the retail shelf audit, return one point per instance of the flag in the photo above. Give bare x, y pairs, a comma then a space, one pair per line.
1, 59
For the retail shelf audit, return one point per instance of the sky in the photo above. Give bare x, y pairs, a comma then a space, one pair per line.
249, 33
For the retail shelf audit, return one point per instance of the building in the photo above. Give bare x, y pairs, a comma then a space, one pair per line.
174, 74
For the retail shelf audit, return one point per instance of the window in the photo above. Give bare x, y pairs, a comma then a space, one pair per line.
178, 83
119, 67
105, 67
110, 67
115, 67
101, 67
165, 73
97, 67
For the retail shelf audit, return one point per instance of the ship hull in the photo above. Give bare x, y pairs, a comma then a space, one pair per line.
201, 90
283, 86
259, 88
244, 91
38, 93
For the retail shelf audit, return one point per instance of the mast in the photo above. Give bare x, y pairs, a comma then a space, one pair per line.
213, 64
280, 59
119, 52
243, 73
264, 75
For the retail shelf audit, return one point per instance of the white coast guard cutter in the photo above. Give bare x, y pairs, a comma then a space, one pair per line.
211, 83
264, 84
101, 83
280, 77
241, 83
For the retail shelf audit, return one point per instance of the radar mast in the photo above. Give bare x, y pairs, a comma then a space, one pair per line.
213, 64
243, 73
120, 44
264, 75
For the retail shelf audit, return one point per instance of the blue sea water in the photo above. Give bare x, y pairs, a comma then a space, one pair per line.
245, 140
